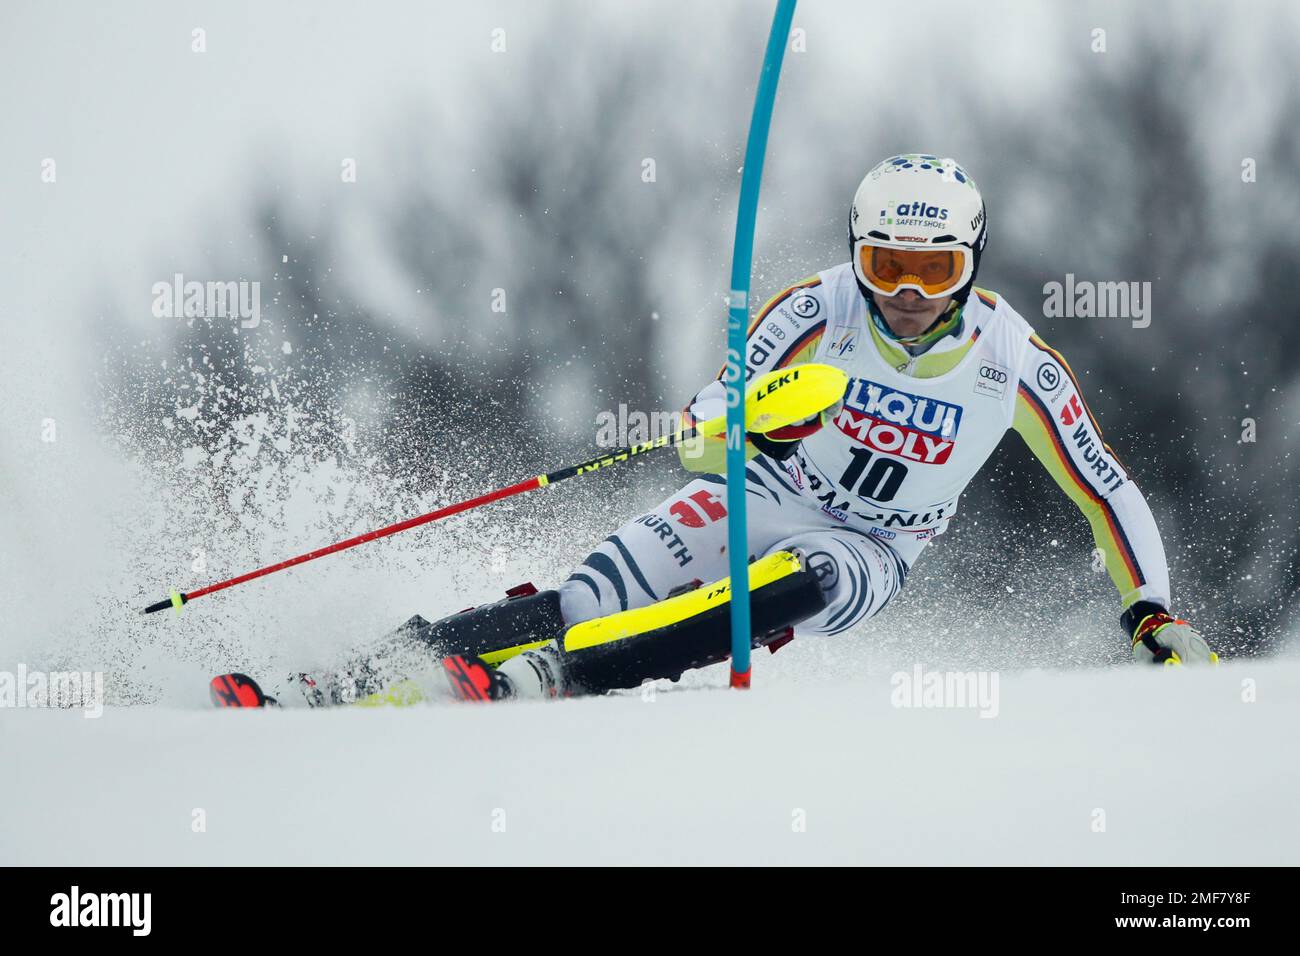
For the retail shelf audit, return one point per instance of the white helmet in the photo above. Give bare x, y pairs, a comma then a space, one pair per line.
917, 222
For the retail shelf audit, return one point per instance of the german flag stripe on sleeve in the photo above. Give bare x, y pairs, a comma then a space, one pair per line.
780, 297
1042, 346
806, 342
1045, 442
771, 304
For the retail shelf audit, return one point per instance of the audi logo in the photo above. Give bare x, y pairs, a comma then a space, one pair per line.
993, 374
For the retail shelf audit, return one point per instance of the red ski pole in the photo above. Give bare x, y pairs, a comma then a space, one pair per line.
178, 598
779, 397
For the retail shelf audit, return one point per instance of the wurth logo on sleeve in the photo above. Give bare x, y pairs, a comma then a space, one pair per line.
1072, 411
694, 511
1096, 457
710, 504
898, 423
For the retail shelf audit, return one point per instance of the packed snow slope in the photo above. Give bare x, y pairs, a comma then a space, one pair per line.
1115, 765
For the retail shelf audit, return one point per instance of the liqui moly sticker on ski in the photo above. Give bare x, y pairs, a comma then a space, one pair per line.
899, 423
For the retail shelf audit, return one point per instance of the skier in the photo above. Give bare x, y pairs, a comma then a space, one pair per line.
938, 371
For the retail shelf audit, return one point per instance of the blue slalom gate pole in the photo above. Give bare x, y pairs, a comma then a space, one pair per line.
737, 325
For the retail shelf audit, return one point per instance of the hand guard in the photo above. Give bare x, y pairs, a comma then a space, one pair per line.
1161, 638
780, 443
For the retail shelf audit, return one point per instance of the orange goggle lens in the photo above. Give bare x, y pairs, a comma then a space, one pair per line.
935, 272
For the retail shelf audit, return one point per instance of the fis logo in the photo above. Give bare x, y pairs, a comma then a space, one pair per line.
899, 423
844, 340
910, 212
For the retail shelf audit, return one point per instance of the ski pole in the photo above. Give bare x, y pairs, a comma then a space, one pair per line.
777, 399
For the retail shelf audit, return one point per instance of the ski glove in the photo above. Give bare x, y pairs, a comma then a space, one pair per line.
1161, 638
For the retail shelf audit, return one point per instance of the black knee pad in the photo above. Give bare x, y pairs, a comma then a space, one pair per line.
526, 616
696, 641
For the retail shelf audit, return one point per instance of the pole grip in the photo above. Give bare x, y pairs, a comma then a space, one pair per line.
176, 599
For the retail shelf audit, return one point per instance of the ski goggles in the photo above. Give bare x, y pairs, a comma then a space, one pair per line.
934, 273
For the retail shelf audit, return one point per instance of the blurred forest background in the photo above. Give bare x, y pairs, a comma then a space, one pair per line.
524, 172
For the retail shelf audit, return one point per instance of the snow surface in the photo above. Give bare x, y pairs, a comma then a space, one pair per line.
1185, 771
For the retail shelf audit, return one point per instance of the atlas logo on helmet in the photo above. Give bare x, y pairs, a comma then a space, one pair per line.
917, 208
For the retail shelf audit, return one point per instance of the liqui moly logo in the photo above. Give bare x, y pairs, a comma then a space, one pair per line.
899, 423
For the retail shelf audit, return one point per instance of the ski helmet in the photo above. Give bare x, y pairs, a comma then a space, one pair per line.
917, 222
